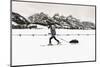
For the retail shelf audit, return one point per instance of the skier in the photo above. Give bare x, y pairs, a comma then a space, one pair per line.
51, 25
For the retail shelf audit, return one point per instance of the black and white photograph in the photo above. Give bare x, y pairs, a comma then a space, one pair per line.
52, 33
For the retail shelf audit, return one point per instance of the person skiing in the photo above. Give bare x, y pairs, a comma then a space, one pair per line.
51, 26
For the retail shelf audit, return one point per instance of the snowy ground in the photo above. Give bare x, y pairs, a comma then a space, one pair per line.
27, 49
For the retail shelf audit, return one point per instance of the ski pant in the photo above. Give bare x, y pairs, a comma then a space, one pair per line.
53, 37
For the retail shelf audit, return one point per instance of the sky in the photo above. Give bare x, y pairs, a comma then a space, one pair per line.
26, 9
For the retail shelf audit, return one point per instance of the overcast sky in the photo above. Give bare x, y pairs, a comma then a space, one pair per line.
84, 13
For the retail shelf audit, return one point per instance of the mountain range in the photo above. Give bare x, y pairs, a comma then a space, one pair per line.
61, 22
